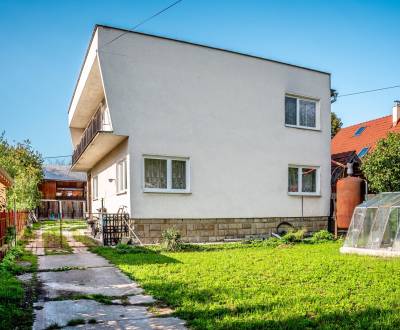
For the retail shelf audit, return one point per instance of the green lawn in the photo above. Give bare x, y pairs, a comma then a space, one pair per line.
16, 298
256, 287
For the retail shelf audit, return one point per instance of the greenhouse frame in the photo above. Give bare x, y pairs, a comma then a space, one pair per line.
375, 227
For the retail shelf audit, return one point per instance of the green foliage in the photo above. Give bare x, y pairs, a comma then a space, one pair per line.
336, 124
10, 234
294, 236
15, 306
382, 166
322, 236
74, 322
309, 286
171, 240
25, 166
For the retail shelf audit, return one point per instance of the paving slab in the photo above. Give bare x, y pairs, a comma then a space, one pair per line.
72, 260
107, 281
106, 316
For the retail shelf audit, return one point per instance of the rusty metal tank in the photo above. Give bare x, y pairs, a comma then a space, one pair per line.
348, 196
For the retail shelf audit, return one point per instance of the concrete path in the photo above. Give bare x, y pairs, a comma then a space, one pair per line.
63, 277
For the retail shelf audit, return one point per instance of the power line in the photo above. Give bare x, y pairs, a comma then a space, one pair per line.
369, 91
57, 157
142, 22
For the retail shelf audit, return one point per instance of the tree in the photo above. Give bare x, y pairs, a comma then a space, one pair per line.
382, 166
336, 124
25, 167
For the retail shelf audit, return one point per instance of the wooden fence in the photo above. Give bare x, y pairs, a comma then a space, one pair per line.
7, 220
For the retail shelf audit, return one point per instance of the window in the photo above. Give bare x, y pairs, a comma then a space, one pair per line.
95, 187
300, 112
359, 131
303, 180
122, 176
166, 174
363, 152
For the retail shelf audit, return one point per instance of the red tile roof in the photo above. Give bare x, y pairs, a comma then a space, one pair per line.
375, 130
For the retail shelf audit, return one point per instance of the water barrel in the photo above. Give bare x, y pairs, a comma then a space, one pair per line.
348, 196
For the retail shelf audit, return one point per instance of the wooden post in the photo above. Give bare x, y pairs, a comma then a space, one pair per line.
15, 222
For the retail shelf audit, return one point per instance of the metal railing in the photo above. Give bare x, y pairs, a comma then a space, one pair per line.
97, 124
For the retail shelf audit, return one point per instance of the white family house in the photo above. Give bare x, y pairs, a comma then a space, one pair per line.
215, 143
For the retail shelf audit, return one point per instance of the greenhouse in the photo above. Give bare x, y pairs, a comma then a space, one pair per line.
374, 227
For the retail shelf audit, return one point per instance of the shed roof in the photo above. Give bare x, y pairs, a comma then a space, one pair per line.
62, 173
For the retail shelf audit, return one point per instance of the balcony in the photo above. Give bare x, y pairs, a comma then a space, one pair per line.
96, 142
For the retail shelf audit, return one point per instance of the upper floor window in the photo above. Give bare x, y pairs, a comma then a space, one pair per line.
95, 187
359, 131
303, 180
122, 176
301, 112
166, 174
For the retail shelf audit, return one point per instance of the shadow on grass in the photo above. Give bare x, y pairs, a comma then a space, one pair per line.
133, 255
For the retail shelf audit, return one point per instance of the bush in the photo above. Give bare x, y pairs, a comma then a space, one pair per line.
171, 240
273, 242
294, 236
322, 236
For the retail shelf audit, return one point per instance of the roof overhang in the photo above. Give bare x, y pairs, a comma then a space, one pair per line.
101, 145
5, 178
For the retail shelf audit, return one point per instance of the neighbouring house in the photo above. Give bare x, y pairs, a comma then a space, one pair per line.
352, 143
218, 144
5, 182
63, 193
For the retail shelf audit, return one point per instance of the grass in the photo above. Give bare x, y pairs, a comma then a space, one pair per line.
54, 244
237, 286
86, 240
16, 298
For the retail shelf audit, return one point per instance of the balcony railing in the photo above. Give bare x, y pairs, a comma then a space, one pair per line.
99, 123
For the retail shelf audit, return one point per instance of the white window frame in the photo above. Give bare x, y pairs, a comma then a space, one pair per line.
124, 163
169, 189
95, 192
298, 99
300, 181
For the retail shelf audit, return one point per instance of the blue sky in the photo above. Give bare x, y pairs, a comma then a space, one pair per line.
42, 45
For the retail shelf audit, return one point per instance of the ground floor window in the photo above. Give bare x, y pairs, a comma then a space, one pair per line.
122, 176
95, 187
166, 174
303, 180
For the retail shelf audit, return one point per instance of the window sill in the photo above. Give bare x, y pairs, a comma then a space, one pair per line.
124, 192
304, 127
166, 191
304, 194
95, 199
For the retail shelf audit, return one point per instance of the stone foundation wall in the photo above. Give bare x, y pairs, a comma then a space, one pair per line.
216, 230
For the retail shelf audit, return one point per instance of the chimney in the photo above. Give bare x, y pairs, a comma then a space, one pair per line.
396, 113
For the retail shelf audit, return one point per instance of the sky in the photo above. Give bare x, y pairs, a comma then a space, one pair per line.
43, 43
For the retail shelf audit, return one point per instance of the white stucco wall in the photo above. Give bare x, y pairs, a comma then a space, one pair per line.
106, 170
224, 111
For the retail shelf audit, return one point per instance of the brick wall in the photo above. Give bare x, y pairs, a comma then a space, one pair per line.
214, 230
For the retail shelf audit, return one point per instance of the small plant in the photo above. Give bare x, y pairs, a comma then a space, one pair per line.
92, 321
171, 240
75, 322
10, 235
53, 326
273, 242
294, 236
322, 236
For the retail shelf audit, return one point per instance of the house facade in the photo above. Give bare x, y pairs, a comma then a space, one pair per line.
63, 193
215, 143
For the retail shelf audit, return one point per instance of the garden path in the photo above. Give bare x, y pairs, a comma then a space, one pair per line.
83, 290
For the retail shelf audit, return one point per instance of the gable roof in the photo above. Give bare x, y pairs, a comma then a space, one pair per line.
375, 130
62, 173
